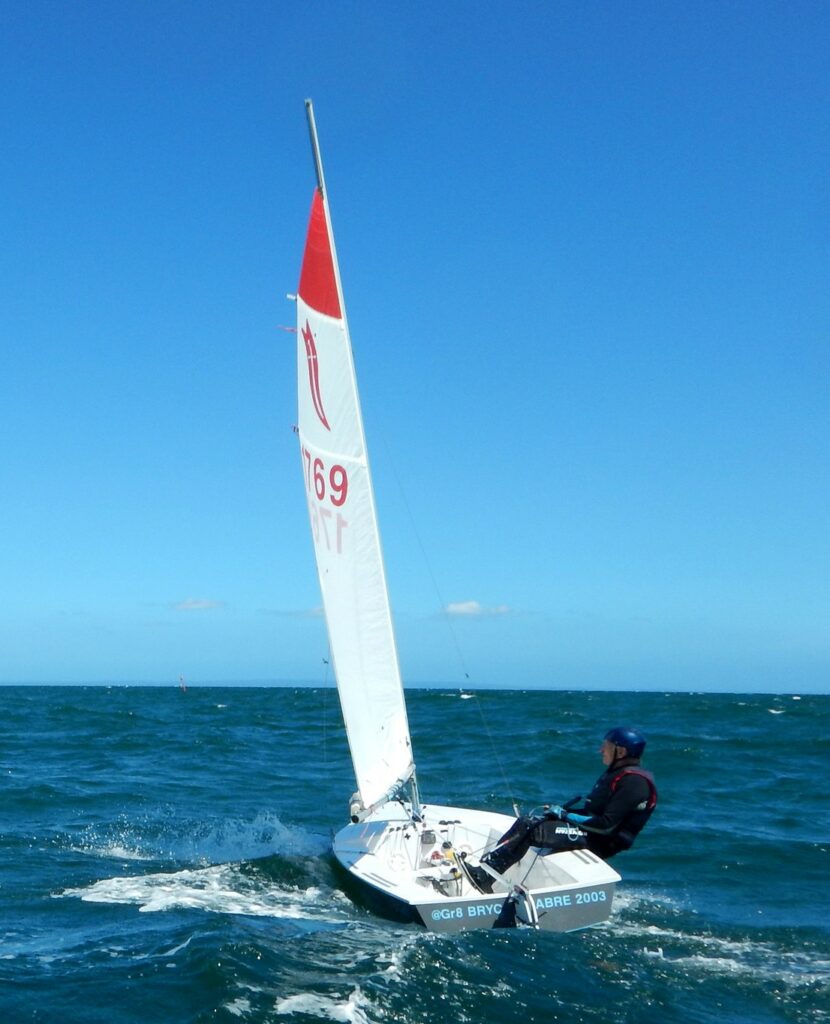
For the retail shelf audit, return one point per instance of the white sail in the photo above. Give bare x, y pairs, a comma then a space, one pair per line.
344, 525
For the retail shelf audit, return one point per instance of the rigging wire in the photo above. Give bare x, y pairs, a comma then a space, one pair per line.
442, 605
326, 711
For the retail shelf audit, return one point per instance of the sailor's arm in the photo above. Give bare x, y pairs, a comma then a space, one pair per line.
631, 791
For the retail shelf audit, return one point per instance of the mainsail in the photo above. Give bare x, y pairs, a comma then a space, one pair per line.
344, 525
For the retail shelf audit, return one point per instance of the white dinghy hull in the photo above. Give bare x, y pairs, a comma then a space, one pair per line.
403, 869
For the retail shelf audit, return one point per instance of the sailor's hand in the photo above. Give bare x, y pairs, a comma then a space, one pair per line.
555, 811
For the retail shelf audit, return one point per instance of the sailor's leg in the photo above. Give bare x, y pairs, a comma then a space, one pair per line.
555, 836
512, 846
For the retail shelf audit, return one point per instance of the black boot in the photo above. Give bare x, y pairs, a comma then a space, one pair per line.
480, 879
499, 859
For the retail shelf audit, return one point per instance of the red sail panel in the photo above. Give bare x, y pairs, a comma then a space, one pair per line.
318, 285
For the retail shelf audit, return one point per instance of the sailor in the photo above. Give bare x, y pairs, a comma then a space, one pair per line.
615, 811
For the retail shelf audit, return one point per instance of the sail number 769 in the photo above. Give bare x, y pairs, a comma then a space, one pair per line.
336, 482
326, 485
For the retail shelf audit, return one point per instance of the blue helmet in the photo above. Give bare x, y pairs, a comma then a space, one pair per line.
632, 739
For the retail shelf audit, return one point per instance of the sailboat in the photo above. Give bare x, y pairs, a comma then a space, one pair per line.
406, 858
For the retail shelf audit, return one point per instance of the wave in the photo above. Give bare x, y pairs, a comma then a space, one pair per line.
112, 851
352, 1008
692, 950
231, 839
221, 889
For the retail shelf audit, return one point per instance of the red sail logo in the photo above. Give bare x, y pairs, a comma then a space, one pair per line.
314, 374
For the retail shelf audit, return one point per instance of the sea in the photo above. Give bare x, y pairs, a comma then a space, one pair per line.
164, 859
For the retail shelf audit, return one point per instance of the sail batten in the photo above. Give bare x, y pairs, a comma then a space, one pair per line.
344, 524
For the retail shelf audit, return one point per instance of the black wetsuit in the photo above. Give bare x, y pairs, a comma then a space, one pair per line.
619, 805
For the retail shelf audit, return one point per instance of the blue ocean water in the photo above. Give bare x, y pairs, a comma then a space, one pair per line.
163, 859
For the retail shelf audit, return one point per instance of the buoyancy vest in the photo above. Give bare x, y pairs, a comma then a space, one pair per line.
633, 823
652, 787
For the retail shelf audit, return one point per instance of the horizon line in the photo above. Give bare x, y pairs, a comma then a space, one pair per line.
306, 684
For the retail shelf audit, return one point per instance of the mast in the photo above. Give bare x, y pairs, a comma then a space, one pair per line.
361, 637
315, 148
321, 185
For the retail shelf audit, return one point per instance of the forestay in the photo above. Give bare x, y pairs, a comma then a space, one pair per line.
344, 524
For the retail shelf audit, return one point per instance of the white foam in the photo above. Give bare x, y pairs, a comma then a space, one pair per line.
112, 851
629, 899
395, 957
217, 842
179, 948
791, 969
239, 1007
720, 955
321, 1006
262, 837
221, 889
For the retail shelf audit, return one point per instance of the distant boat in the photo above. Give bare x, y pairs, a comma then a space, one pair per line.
182, 684
405, 857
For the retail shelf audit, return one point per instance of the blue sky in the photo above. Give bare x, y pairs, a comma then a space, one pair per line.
584, 249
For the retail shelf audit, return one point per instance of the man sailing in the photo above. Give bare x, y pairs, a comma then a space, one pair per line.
614, 813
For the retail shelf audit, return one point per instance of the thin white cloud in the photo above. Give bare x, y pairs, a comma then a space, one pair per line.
473, 609
198, 604
296, 613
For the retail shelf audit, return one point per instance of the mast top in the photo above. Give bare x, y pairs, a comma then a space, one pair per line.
315, 147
